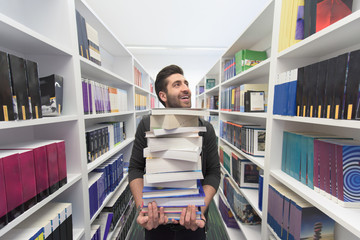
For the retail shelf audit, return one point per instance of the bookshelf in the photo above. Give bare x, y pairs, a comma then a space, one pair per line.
46, 32
263, 34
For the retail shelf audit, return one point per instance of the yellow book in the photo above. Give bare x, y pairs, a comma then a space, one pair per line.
289, 8
282, 26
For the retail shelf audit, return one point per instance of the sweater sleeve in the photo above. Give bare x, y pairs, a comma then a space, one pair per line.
137, 160
211, 164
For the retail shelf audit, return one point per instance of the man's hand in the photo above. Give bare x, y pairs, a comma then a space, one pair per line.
188, 219
153, 219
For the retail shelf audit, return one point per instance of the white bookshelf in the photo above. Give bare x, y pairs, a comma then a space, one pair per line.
46, 32
263, 34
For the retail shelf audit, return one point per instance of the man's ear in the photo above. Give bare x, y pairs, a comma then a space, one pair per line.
162, 96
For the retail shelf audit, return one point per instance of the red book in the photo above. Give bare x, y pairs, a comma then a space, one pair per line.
13, 188
53, 167
3, 202
330, 11
61, 162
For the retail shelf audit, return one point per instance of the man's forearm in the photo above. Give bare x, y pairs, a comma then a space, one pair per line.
136, 187
209, 194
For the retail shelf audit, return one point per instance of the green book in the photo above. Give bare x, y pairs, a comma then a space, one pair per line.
210, 83
239, 61
252, 58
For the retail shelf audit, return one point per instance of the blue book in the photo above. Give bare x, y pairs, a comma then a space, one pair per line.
261, 185
291, 109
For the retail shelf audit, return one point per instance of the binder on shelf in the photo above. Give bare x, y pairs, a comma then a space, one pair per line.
19, 86
34, 88
8, 109
51, 88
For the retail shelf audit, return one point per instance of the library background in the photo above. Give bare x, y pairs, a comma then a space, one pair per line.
283, 100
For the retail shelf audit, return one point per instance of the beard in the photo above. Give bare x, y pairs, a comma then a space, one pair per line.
175, 102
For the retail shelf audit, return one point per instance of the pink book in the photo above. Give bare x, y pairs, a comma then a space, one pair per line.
28, 179
316, 177
3, 202
52, 163
14, 193
41, 168
61, 154
324, 166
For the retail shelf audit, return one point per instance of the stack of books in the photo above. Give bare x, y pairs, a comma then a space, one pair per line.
173, 161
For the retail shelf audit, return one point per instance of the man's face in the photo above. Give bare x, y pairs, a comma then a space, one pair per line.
178, 93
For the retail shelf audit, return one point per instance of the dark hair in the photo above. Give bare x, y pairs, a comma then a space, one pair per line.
161, 83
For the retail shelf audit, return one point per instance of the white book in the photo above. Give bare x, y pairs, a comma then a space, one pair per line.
157, 165
150, 134
185, 154
173, 176
162, 192
175, 184
161, 132
181, 111
162, 144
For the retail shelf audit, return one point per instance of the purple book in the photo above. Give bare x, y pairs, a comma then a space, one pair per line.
90, 97
108, 224
85, 96
299, 32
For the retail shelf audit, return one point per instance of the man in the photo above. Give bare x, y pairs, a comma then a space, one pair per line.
173, 91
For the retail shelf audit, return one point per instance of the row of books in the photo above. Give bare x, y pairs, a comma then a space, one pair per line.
138, 77
243, 211
23, 94
88, 40
245, 59
99, 98
152, 101
104, 180
292, 217
245, 98
172, 181
229, 69
29, 172
200, 90
247, 137
325, 163
101, 226
118, 205
227, 214
327, 89
243, 171
302, 18
212, 102
140, 101
126, 223
210, 83
53, 221
214, 120
103, 137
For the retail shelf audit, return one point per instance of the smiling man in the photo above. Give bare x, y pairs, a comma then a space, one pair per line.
173, 91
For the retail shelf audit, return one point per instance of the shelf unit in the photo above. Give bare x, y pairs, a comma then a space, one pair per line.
46, 32
263, 34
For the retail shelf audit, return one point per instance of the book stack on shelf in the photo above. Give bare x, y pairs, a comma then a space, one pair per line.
103, 181
88, 40
140, 102
292, 217
173, 161
247, 137
53, 221
30, 173
138, 77
325, 163
99, 98
102, 137
23, 94
240, 207
326, 89
301, 19
212, 102
245, 98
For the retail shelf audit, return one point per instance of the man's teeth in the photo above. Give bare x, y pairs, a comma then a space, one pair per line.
185, 97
